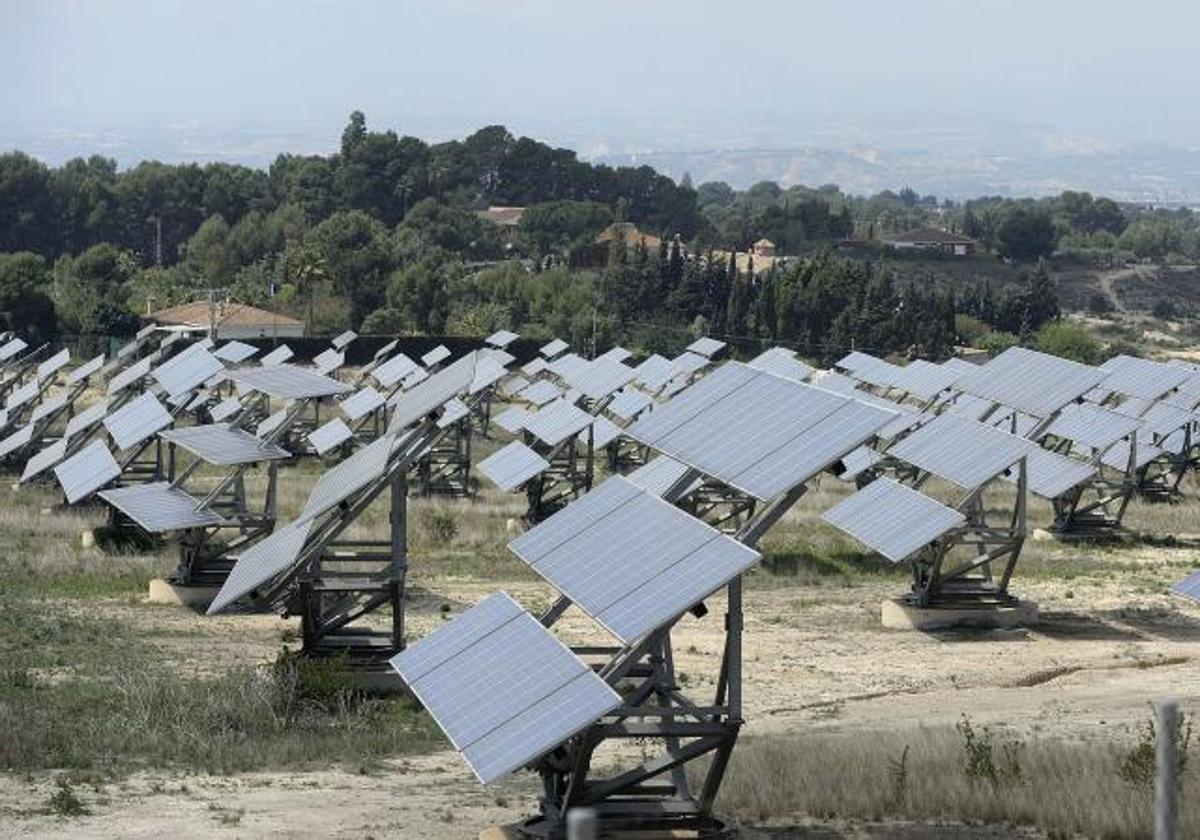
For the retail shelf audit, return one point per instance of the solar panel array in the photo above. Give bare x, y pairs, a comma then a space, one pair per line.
1032, 382
892, 519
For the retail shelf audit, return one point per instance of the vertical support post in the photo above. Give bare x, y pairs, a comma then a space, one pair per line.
399, 564
581, 824
734, 649
1166, 789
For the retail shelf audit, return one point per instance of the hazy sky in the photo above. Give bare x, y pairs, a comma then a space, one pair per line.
654, 69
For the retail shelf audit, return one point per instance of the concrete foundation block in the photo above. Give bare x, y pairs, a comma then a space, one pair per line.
165, 592
896, 614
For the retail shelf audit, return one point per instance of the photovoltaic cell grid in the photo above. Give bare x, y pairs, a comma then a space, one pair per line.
964, 451
781, 362
616, 354
361, 403
513, 465
85, 370
557, 421
22, 395
629, 403
540, 393
655, 372
1049, 474
706, 347
159, 508
553, 348
11, 348
599, 378
272, 422
44, 460
1143, 378
329, 360
277, 356
511, 386
567, 365
858, 462
630, 560
436, 356
453, 411
604, 432
1091, 425
87, 418
346, 478
1032, 382
225, 409
534, 366
892, 519
263, 561
538, 692
757, 432
690, 362
454, 380
87, 471
129, 376
501, 338
393, 370
487, 373
53, 365
329, 435
235, 352
17, 440
1189, 587
187, 370
512, 420
500, 357
287, 382
136, 421
660, 474
223, 445
47, 407
1117, 456
340, 342
385, 349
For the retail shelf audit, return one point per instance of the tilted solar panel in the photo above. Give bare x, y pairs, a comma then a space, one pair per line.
553, 348
287, 382
964, 451
223, 445
513, 465
538, 692
436, 355
346, 478
540, 393
1032, 382
159, 508
86, 471
361, 403
557, 421
781, 362
85, 370
501, 338
329, 435
129, 376
706, 347
53, 365
136, 421
265, 560
187, 370
277, 356
892, 519
512, 420
1143, 378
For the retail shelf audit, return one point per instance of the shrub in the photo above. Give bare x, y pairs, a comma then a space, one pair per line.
1069, 341
996, 343
441, 525
1138, 766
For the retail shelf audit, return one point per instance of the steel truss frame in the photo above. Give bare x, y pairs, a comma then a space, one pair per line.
655, 794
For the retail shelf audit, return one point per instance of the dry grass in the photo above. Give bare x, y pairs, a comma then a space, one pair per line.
1063, 789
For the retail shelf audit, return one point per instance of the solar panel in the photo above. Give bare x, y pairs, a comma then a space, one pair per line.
340, 342
393, 370
660, 474
436, 355
426, 397
830, 380
858, 462
540, 393
85, 370
534, 366
500, 357
87, 418
630, 560
513, 384
44, 460
346, 478
136, 421
781, 362
52, 365
330, 435
512, 420
18, 439
159, 508
127, 377
856, 361
1143, 378
11, 348
235, 352
418, 376
1032, 382
616, 354
655, 372
47, 407
453, 411
22, 395
1092, 426
1049, 474
272, 422
556, 422
361, 403
501, 338
969, 405
706, 347
604, 432
1189, 587
757, 432
385, 349
964, 451
223, 445
86, 471
277, 356
538, 692
961, 365
629, 402
567, 365
328, 361
225, 409
894, 520
553, 348
187, 370
926, 380
513, 465
1117, 456
287, 382
599, 378
690, 362
265, 560
487, 373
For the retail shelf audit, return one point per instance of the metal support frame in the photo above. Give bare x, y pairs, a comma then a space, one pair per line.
446, 469
656, 793
569, 476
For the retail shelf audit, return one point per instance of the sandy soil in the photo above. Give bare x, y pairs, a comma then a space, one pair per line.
815, 659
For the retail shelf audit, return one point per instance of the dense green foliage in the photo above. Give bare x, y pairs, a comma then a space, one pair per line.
384, 235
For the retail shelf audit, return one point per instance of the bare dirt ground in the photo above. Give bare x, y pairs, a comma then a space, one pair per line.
816, 659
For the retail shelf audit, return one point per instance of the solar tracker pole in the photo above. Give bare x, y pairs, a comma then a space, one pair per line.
1166, 787
399, 565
